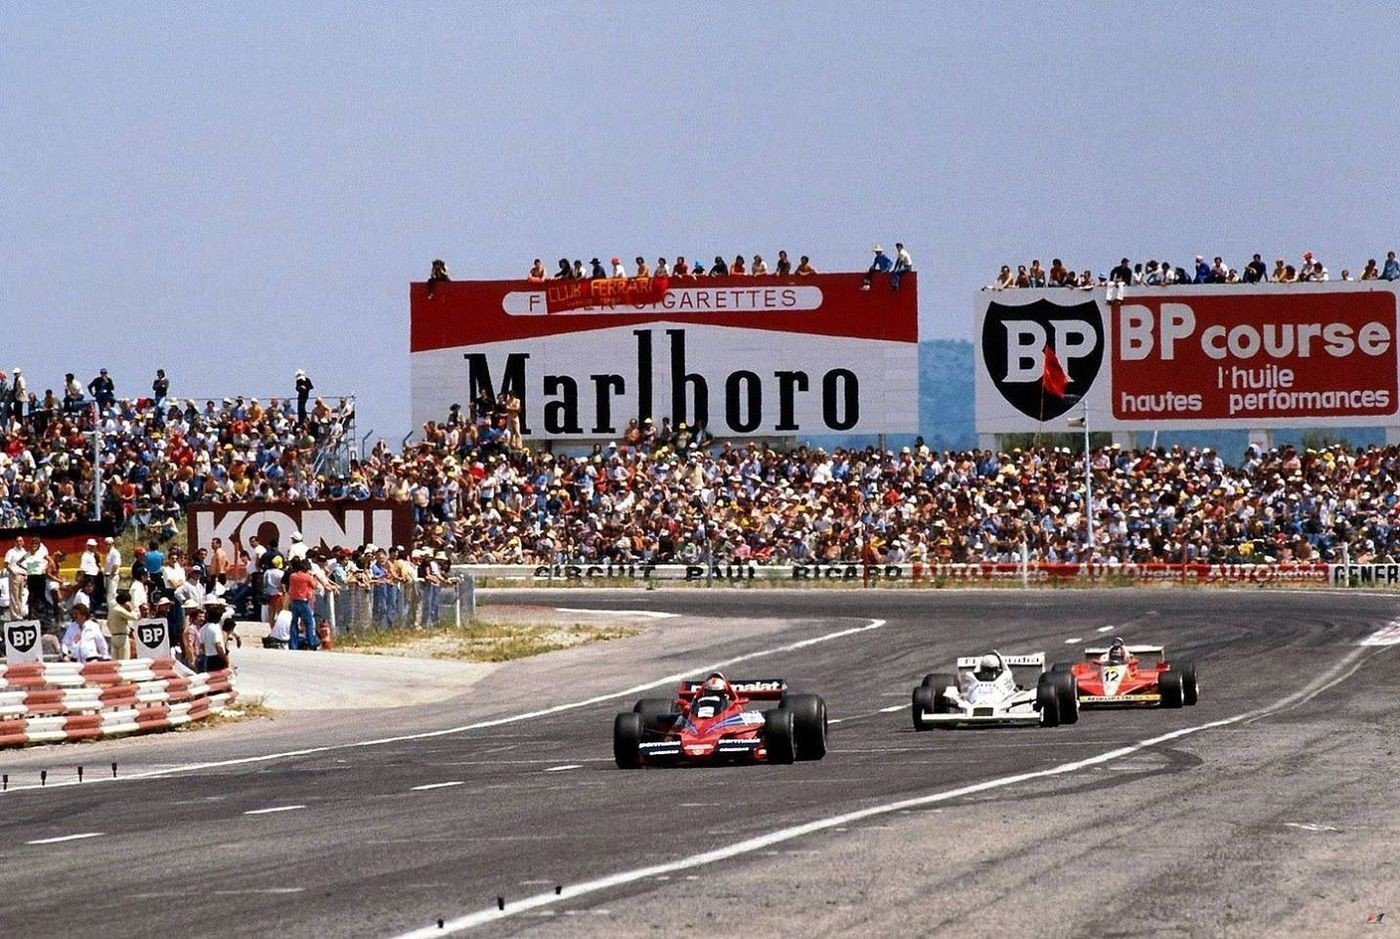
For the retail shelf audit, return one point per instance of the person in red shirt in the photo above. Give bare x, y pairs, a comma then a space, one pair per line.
301, 587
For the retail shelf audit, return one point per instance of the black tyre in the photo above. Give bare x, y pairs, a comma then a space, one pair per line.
1059, 667
779, 737
651, 707
1187, 670
939, 680
1047, 698
808, 724
923, 702
627, 738
1068, 690
1171, 688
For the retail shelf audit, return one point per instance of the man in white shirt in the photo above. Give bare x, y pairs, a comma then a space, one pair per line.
112, 569
297, 550
83, 640
213, 646
36, 566
281, 633
89, 570
17, 576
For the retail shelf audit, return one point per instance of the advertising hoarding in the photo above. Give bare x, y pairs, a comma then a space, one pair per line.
744, 356
1189, 357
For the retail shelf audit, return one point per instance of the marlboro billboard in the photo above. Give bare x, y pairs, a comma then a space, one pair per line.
1186, 357
744, 356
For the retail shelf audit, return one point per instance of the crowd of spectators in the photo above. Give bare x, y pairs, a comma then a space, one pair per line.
661, 494
680, 268
1154, 273
158, 452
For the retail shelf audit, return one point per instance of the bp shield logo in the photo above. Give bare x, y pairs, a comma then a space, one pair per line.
1042, 356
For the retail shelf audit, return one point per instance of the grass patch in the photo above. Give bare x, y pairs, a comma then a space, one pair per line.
481, 640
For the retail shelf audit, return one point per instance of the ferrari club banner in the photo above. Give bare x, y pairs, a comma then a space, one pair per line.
563, 296
741, 356
1183, 357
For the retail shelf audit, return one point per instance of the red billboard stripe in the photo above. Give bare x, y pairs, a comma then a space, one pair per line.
466, 313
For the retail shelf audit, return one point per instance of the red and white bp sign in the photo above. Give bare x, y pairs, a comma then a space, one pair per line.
1299, 355
743, 356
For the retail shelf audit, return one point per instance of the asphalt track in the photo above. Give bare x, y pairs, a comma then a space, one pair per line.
1267, 809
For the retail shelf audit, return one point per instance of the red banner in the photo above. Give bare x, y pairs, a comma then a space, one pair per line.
608, 293
1242, 356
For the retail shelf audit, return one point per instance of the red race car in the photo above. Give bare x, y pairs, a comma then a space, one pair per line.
1120, 675
715, 721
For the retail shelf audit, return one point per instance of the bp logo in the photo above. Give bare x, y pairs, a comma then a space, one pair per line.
1042, 356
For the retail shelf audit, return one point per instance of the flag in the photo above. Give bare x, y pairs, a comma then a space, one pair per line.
1053, 379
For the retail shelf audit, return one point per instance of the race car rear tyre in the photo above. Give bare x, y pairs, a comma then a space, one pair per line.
651, 707
923, 702
1171, 688
779, 738
1061, 667
1068, 690
938, 682
627, 738
1047, 697
1188, 681
808, 724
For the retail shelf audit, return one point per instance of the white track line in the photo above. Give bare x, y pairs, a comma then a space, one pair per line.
1104, 629
892, 708
1071, 641
560, 769
649, 614
1338, 672
188, 768
441, 785
275, 808
60, 838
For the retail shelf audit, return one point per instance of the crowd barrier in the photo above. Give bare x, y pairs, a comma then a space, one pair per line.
917, 574
396, 606
46, 702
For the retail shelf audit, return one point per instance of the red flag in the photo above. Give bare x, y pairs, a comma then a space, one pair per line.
1053, 379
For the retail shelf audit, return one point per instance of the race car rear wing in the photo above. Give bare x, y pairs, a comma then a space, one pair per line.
758, 689
1036, 660
1094, 653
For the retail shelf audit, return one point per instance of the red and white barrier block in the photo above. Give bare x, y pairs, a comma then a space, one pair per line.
57, 701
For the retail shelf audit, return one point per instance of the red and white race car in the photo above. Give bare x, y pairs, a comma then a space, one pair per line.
1120, 675
715, 721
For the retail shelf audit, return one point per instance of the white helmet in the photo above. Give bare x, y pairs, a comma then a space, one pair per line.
991, 662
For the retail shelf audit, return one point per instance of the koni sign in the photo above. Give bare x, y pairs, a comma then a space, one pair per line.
742, 356
1258, 356
321, 524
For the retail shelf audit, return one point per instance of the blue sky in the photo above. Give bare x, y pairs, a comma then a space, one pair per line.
233, 191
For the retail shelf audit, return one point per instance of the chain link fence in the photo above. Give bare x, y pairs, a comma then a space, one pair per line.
413, 605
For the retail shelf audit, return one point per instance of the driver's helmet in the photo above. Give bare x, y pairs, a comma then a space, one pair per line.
1117, 652
989, 668
714, 691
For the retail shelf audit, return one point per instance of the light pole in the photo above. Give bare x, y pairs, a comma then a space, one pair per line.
1083, 421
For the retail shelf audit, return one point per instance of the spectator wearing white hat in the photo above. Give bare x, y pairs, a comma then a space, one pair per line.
83, 640
296, 551
879, 265
89, 566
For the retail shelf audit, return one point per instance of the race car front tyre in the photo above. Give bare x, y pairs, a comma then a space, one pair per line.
1047, 699
1188, 681
1068, 690
808, 724
627, 738
938, 682
651, 707
923, 702
779, 736
1171, 688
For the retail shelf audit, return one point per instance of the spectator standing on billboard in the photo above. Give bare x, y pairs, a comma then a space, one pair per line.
1255, 272
1371, 271
1202, 270
642, 269
565, 272
536, 271
758, 267
680, 269
738, 267
1391, 272
1122, 274
617, 268
596, 270
783, 268
804, 267
719, 269
304, 386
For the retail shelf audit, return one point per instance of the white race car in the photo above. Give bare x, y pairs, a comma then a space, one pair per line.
996, 689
